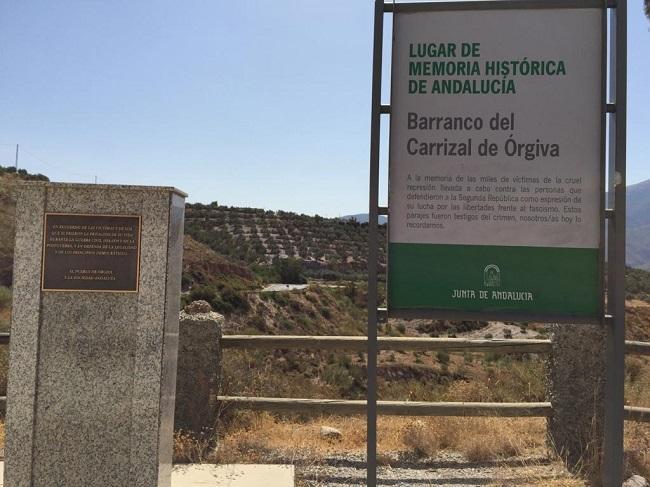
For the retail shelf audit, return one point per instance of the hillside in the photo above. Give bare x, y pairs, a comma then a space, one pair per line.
329, 248
202, 266
336, 247
230, 252
363, 218
638, 225
9, 178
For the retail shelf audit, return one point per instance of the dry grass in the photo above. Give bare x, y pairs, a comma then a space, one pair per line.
190, 449
637, 448
478, 439
253, 436
534, 481
637, 435
257, 437
537, 473
637, 384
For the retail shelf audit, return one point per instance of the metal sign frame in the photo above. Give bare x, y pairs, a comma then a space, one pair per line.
612, 229
451, 313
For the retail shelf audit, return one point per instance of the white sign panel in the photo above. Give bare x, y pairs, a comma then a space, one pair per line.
495, 159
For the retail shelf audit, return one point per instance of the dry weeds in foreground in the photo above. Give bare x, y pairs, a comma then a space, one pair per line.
262, 437
541, 482
255, 436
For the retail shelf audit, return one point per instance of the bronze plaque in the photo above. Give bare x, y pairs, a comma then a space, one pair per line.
91, 253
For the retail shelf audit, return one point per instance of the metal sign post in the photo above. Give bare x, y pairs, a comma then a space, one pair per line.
615, 321
373, 248
513, 269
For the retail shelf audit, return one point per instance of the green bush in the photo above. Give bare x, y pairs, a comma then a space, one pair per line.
204, 293
5, 297
231, 300
286, 324
225, 300
280, 298
257, 322
443, 357
290, 270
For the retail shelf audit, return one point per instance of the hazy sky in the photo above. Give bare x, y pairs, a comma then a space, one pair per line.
249, 103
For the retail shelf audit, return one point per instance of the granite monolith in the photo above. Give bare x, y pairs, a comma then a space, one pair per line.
94, 336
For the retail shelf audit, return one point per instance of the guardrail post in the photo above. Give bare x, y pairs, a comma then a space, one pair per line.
576, 390
198, 373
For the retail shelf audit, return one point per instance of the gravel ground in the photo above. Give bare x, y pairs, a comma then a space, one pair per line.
449, 470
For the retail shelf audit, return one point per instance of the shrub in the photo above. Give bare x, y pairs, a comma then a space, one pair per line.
351, 290
191, 449
286, 324
257, 322
205, 293
338, 376
186, 281
325, 313
5, 297
443, 357
281, 298
290, 270
226, 300
421, 439
231, 300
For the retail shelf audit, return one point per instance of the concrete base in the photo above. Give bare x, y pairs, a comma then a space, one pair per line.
232, 476
226, 475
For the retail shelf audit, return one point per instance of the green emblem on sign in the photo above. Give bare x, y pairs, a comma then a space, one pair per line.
491, 276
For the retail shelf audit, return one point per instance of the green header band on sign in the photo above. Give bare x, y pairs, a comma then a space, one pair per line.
495, 280
492, 5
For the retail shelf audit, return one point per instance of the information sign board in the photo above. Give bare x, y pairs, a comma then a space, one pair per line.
496, 161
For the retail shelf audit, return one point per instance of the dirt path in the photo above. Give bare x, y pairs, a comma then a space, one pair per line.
498, 330
449, 470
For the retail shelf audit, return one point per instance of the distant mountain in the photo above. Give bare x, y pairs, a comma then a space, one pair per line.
638, 225
363, 218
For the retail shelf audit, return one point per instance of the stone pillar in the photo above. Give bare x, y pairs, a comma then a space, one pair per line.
94, 336
576, 388
199, 363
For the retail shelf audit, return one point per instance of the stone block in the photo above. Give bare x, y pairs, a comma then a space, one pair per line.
92, 373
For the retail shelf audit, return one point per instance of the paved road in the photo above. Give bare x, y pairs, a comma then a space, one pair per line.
276, 288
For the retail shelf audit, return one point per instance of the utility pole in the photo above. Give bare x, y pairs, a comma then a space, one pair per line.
16, 157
